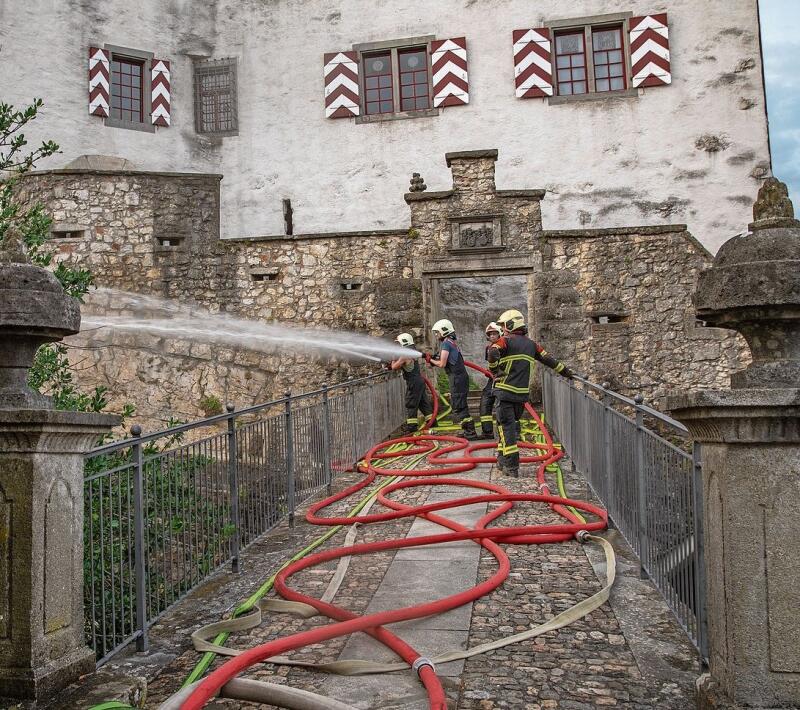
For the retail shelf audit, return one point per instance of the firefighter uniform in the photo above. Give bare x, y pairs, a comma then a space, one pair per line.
417, 398
493, 331
456, 376
515, 356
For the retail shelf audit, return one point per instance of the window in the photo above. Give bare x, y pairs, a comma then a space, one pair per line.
396, 79
129, 82
608, 58
127, 89
591, 58
571, 64
216, 109
378, 83
414, 93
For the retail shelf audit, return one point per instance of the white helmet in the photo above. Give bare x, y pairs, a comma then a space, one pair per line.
405, 339
443, 328
494, 327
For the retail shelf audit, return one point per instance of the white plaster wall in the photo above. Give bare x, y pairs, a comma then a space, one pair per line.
604, 163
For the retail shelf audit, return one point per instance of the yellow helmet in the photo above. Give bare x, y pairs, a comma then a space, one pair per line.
405, 339
443, 328
511, 319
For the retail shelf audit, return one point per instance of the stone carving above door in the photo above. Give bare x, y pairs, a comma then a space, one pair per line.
479, 233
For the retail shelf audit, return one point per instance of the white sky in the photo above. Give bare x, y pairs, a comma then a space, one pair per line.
780, 31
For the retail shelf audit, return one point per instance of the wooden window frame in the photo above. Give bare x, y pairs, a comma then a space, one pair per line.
587, 25
394, 47
200, 67
146, 60
572, 81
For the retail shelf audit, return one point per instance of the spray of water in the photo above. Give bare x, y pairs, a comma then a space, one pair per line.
132, 312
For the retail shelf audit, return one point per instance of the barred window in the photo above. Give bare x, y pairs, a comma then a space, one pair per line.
216, 97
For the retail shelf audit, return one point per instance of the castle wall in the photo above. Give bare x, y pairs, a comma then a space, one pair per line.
157, 234
691, 152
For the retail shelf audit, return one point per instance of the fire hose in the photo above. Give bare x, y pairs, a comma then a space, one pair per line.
448, 455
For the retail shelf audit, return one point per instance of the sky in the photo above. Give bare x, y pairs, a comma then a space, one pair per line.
780, 21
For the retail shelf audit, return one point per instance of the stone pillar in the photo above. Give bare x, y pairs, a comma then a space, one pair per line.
750, 438
473, 170
42, 644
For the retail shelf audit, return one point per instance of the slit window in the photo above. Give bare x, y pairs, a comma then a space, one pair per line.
350, 286
67, 233
608, 318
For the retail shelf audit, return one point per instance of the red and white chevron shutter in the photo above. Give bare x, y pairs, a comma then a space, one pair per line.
341, 85
98, 82
533, 71
650, 51
160, 88
450, 78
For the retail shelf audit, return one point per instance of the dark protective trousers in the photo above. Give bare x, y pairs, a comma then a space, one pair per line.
417, 399
487, 407
459, 387
508, 416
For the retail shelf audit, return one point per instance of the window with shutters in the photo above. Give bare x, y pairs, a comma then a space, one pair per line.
129, 88
396, 79
591, 57
215, 97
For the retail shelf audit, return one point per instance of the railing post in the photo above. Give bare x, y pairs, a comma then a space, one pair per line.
641, 493
289, 458
233, 487
140, 579
700, 549
353, 435
326, 437
608, 475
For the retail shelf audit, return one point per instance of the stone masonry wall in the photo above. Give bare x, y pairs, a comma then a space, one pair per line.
158, 234
641, 281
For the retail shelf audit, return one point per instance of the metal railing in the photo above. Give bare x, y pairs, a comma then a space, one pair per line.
162, 512
644, 469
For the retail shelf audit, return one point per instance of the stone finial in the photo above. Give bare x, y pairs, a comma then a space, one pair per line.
12, 250
417, 183
773, 208
33, 310
753, 287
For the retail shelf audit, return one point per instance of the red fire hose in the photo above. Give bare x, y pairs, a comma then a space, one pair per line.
488, 537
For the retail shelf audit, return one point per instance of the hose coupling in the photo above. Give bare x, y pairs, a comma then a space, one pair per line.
422, 661
582, 536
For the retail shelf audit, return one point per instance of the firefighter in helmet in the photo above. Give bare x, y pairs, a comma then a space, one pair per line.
493, 333
417, 398
451, 359
515, 355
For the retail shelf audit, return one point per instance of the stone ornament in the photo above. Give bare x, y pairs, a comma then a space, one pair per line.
754, 287
417, 183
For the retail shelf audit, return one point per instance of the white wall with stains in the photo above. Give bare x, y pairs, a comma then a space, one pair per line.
691, 152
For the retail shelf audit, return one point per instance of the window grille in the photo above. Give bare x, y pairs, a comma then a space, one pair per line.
216, 110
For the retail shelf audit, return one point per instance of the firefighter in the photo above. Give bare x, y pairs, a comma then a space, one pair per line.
493, 333
451, 359
515, 355
417, 398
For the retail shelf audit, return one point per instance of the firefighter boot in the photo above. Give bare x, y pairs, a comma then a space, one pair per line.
501, 462
468, 429
512, 465
487, 428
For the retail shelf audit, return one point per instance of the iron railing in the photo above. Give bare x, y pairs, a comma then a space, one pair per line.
163, 511
644, 469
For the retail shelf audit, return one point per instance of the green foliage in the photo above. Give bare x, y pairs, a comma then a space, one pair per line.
211, 405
